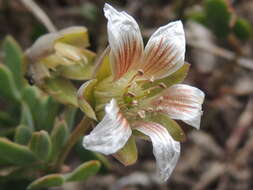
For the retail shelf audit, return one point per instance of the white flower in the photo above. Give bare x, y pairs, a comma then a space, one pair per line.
162, 56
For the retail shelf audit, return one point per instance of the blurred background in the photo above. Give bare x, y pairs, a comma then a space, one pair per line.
220, 50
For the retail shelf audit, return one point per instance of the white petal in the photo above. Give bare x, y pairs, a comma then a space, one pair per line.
42, 47
125, 41
165, 51
166, 150
111, 134
182, 102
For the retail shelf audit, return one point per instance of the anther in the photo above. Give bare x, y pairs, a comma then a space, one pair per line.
140, 72
141, 114
131, 94
162, 85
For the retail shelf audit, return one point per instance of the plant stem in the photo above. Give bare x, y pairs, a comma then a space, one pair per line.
83, 126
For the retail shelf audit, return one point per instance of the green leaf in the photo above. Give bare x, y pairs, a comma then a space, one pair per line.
243, 29
8, 88
48, 112
52, 180
48, 108
76, 35
59, 136
62, 90
84, 171
41, 145
128, 155
15, 153
26, 116
85, 96
173, 128
23, 135
69, 116
13, 58
218, 17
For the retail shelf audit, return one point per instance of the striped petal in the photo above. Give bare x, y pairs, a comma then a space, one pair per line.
165, 51
111, 134
166, 150
125, 41
182, 102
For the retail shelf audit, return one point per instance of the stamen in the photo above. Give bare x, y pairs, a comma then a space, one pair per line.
141, 114
162, 85
131, 94
134, 102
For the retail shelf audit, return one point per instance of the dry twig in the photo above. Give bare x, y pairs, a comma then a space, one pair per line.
39, 14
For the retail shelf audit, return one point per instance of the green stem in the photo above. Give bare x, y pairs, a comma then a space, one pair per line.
83, 126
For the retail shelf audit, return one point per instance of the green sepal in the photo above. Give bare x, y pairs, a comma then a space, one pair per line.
83, 171
14, 58
8, 86
52, 180
15, 153
76, 35
62, 90
41, 145
85, 96
173, 128
59, 136
128, 155
175, 78
23, 135
103, 67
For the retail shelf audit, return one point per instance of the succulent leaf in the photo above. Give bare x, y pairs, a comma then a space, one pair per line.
51, 180
41, 145
9, 90
15, 153
84, 171
14, 60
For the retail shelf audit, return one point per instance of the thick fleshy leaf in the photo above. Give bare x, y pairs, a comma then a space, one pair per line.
41, 145
85, 94
128, 155
182, 102
13, 58
23, 135
26, 116
125, 41
111, 134
173, 128
51, 180
165, 51
84, 171
165, 149
9, 89
59, 136
15, 153
62, 90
